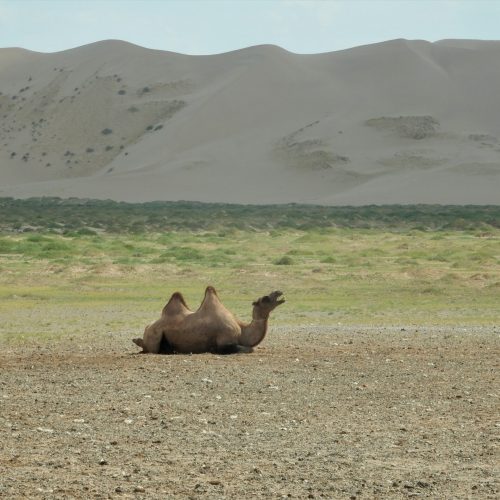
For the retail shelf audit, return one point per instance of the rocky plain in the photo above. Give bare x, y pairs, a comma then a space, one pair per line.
315, 412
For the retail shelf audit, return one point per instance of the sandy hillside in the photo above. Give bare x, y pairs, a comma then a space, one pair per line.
400, 121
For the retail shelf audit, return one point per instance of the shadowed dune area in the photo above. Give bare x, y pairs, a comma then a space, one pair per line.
395, 122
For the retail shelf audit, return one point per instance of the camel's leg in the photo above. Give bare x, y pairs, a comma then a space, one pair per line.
232, 349
244, 349
165, 347
138, 342
151, 340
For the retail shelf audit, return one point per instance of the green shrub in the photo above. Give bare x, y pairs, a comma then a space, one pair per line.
85, 231
329, 260
182, 254
38, 238
284, 261
6, 245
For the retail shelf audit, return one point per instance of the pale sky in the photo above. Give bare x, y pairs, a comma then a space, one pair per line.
214, 26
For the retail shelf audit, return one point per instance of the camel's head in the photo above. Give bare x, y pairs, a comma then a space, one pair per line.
266, 304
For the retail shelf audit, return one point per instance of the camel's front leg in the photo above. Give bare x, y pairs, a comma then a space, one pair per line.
151, 341
232, 348
138, 341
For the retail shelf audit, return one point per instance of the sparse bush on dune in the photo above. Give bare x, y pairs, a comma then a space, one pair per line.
411, 127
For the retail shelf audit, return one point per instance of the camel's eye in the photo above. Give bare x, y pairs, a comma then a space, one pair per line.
266, 299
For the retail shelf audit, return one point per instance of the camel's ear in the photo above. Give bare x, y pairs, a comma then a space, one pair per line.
254, 303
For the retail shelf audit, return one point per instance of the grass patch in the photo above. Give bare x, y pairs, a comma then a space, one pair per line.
114, 281
284, 261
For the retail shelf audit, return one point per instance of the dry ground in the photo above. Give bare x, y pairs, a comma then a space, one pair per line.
315, 412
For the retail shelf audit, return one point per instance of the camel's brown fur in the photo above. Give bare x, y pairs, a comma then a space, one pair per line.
212, 328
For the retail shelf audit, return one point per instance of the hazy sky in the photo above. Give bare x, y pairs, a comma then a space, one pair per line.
213, 26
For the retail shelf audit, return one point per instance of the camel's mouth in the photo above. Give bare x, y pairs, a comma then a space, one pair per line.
271, 300
277, 296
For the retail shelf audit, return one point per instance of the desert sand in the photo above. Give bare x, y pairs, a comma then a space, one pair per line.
395, 122
382, 413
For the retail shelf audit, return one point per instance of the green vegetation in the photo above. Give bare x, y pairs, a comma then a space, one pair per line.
74, 266
72, 214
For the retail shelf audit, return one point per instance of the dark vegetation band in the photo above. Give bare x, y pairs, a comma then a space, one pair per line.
85, 216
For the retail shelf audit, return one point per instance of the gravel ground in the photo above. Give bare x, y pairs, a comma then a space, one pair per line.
315, 412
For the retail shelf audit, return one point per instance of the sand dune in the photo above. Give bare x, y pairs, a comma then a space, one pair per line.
396, 122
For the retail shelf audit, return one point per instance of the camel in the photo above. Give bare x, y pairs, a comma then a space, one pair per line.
212, 328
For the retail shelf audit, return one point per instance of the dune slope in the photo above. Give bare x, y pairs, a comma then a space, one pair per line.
396, 122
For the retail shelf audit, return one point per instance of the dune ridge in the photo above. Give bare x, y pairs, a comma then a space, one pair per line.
402, 121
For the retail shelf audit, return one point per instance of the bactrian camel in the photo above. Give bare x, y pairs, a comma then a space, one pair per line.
212, 328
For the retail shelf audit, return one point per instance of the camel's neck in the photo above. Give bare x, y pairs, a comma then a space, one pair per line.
254, 333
